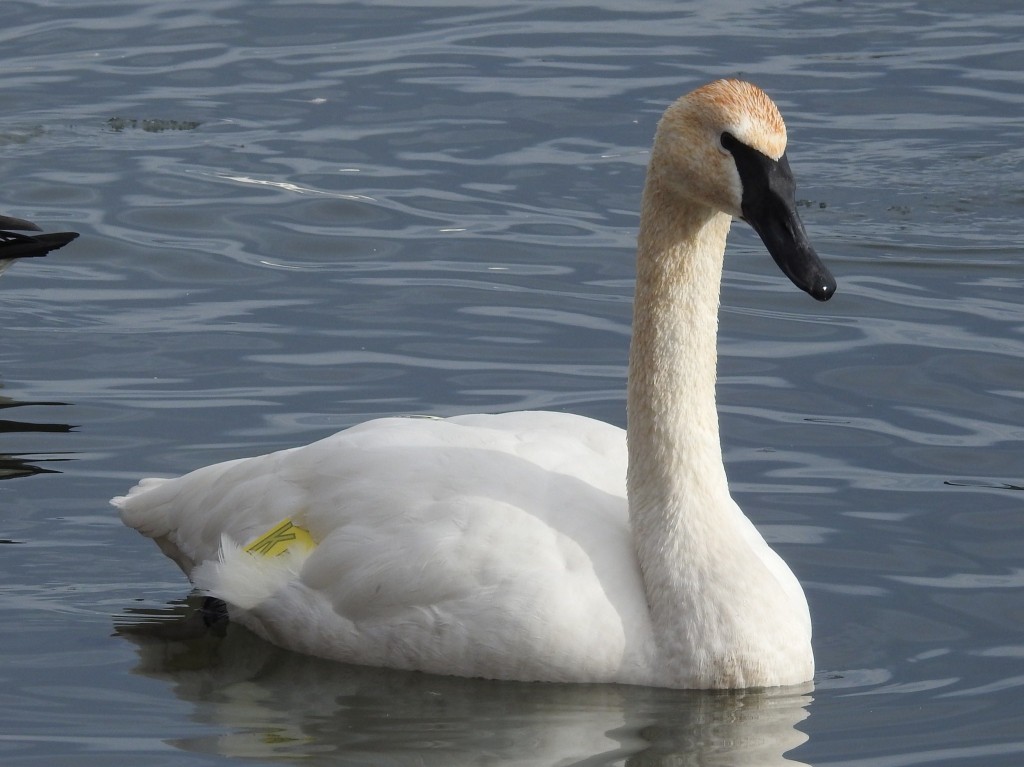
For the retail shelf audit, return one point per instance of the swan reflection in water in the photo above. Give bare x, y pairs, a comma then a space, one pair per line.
260, 701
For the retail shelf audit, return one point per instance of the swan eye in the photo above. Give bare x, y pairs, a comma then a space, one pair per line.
729, 142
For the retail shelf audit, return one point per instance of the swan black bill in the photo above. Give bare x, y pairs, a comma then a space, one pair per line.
769, 206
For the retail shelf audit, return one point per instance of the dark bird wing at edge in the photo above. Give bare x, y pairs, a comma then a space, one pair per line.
15, 245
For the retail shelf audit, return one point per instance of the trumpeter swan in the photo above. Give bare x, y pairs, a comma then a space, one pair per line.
539, 545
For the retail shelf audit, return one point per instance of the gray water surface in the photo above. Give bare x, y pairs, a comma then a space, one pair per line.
296, 216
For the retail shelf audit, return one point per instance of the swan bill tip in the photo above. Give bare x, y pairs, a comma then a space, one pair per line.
824, 290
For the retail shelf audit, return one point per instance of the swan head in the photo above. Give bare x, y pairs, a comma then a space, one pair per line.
724, 146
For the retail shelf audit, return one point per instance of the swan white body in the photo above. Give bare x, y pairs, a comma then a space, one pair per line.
518, 546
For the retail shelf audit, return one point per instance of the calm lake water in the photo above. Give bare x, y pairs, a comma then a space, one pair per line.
299, 215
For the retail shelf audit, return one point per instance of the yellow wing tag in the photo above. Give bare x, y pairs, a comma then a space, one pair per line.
281, 539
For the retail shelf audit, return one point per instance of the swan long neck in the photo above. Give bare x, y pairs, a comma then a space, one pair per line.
678, 493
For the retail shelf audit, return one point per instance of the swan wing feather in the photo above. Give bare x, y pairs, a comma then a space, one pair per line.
492, 545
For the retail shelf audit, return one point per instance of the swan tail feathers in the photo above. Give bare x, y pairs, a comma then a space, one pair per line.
149, 515
246, 578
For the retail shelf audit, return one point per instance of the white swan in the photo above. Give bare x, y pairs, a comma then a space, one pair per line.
504, 546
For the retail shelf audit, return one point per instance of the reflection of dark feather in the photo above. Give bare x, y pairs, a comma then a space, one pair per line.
193, 619
14, 465
976, 483
5, 403
9, 426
